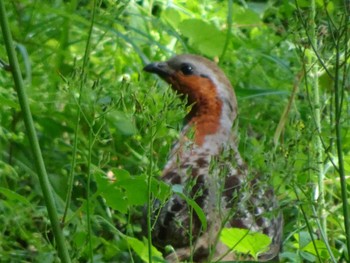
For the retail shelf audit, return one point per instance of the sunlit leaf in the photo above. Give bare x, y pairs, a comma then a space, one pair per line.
141, 249
206, 37
330, 7
244, 241
135, 189
172, 16
246, 16
318, 247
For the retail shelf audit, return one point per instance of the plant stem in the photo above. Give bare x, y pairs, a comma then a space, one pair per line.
338, 103
29, 124
77, 123
149, 200
320, 196
229, 28
88, 204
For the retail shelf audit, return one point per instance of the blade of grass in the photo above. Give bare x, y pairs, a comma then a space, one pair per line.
29, 124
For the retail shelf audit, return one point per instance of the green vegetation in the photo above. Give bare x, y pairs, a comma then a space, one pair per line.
105, 128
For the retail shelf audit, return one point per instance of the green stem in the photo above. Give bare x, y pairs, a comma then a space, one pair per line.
88, 191
308, 226
338, 102
29, 124
149, 200
77, 123
229, 28
317, 114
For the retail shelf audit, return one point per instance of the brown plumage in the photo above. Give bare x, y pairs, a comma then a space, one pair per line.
205, 162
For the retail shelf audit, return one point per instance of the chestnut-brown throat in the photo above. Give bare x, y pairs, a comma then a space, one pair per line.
214, 106
206, 106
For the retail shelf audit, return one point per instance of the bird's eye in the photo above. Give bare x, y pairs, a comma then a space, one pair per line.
186, 69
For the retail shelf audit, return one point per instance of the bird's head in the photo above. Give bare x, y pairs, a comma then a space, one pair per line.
205, 86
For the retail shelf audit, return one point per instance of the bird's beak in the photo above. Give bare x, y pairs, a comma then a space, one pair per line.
160, 68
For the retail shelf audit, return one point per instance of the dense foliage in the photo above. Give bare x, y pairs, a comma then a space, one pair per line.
105, 128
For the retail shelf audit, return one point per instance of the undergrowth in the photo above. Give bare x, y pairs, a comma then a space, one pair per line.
119, 123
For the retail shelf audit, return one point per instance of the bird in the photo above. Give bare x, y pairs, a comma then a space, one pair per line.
206, 165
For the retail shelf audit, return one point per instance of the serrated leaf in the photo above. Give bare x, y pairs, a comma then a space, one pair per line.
245, 241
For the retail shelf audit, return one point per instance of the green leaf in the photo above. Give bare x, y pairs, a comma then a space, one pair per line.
4, 101
141, 249
203, 36
244, 241
303, 238
330, 7
116, 199
122, 122
172, 17
160, 190
80, 238
102, 182
321, 248
120, 174
304, 3
135, 189
124, 190
347, 163
10, 195
246, 16
111, 192
178, 190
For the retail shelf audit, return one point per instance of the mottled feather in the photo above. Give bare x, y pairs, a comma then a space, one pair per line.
206, 162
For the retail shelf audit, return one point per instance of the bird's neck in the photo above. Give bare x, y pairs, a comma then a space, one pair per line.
211, 121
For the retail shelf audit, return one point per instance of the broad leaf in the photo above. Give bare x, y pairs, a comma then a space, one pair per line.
244, 241
206, 37
141, 249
